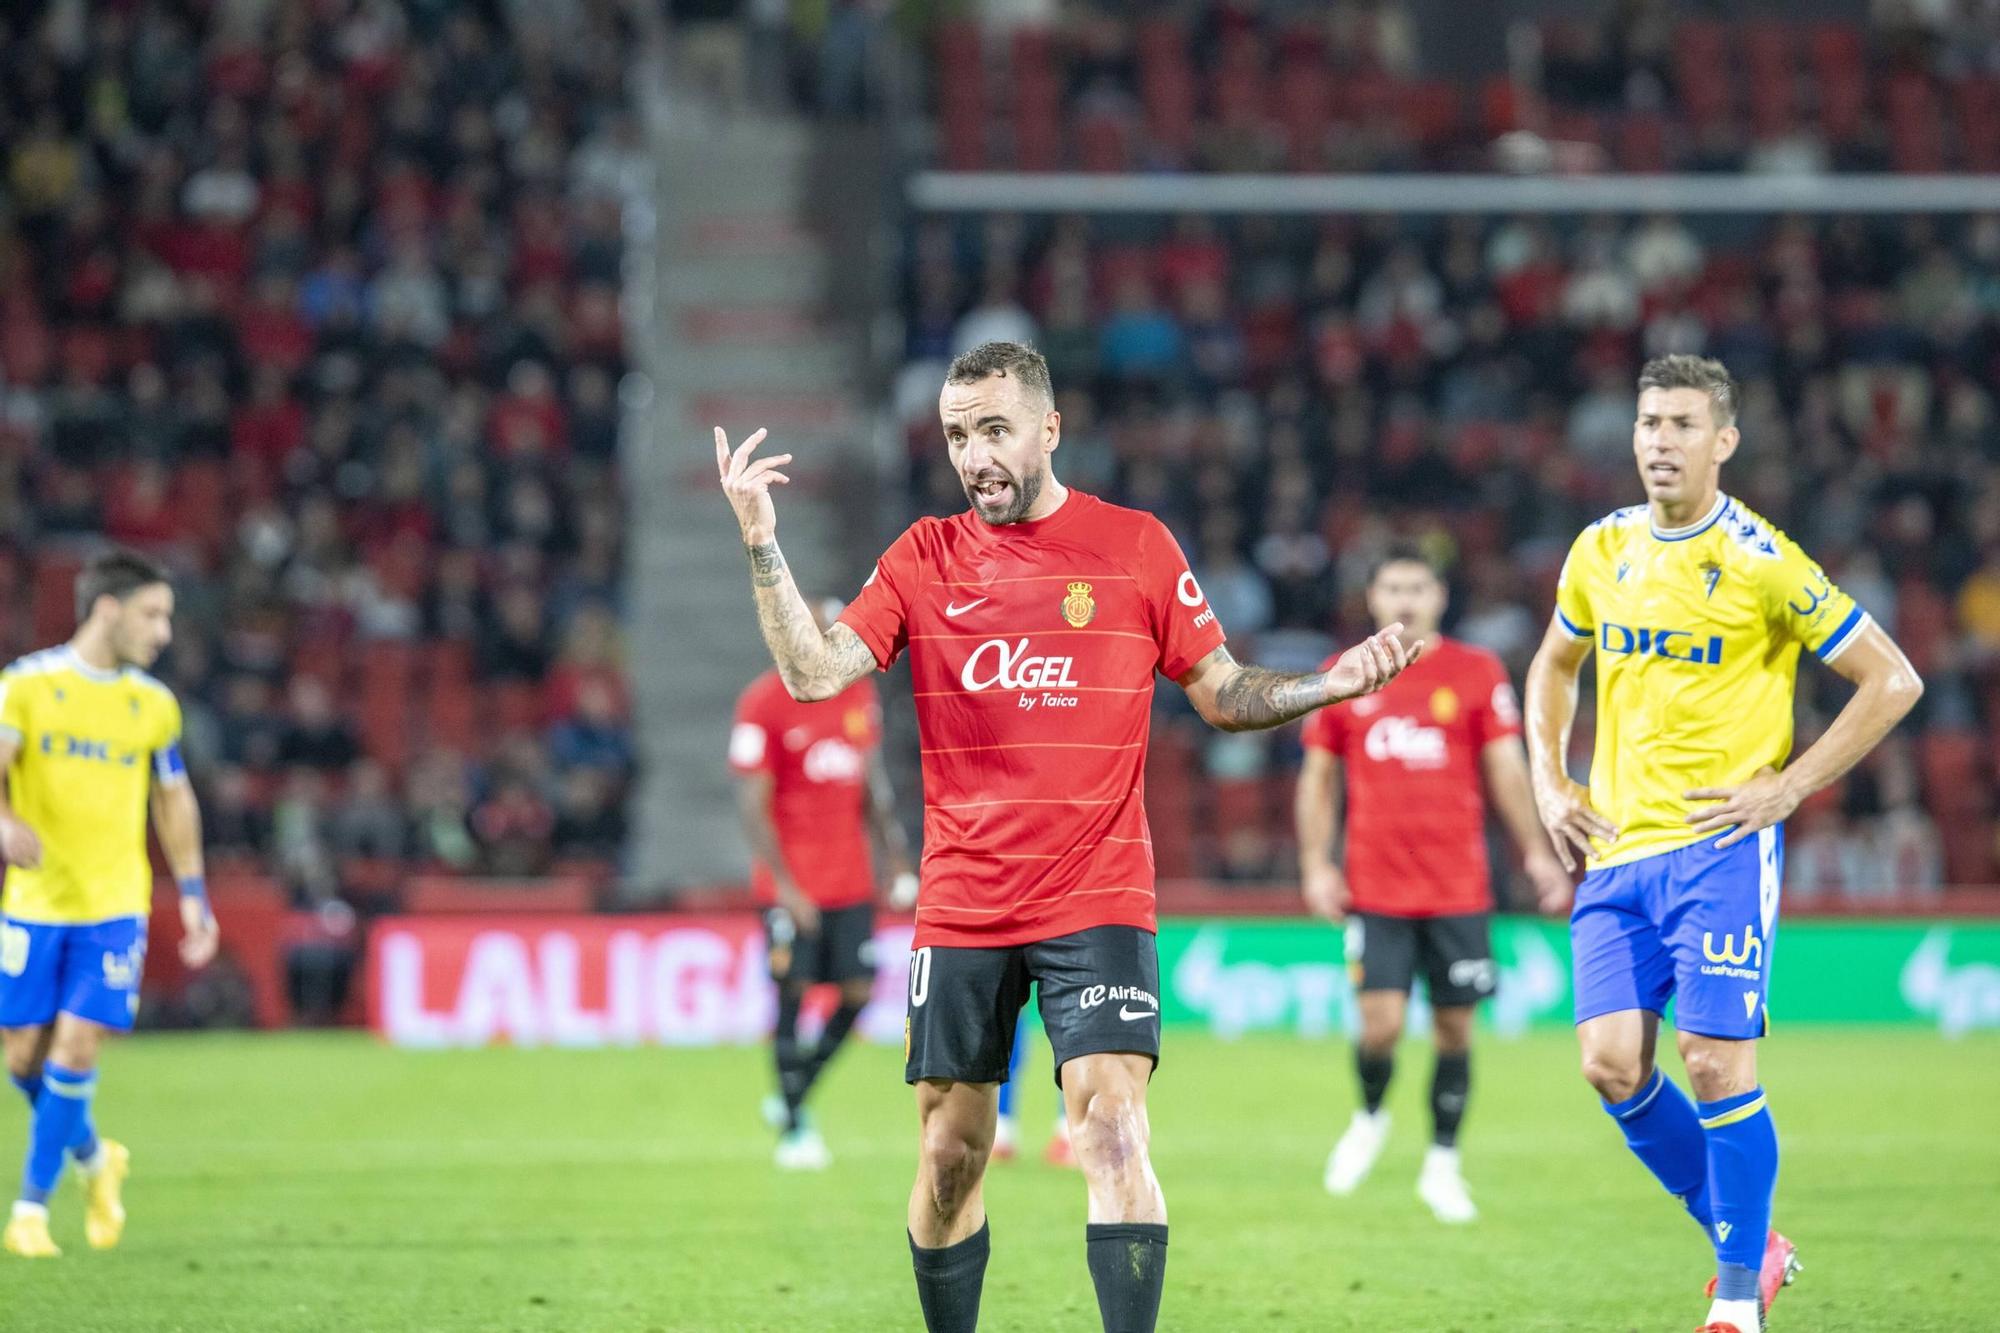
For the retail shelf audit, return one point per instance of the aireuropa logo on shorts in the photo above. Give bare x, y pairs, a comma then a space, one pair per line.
1095, 995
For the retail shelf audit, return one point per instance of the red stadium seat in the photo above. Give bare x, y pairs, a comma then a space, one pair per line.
450, 703
1839, 78
1642, 142
1167, 92
52, 612
201, 495
388, 672
1949, 764
1036, 115
1770, 76
1978, 115
1304, 109
515, 706
961, 89
1103, 142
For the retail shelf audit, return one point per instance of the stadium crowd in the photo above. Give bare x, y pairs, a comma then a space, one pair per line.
319, 304
1646, 85
1293, 395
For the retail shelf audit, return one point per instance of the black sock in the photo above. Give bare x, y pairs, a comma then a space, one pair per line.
838, 1025
785, 1050
949, 1281
1375, 1071
1450, 1082
1128, 1266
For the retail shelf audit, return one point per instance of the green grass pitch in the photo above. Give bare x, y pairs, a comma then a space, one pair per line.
325, 1182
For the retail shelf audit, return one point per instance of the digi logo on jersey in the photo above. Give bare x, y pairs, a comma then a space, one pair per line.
61, 745
1679, 644
1405, 738
833, 760
1011, 667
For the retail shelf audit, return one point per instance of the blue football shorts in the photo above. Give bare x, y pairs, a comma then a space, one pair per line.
91, 970
1694, 924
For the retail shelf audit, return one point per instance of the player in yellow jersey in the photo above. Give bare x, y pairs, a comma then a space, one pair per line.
1698, 610
89, 743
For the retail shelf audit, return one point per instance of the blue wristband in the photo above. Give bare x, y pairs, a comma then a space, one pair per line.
194, 886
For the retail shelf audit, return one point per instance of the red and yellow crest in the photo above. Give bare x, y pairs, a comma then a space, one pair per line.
856, 724
1444, 705
1079, 609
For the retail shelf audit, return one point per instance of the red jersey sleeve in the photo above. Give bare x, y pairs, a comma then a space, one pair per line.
750, 735
880, 612
1497, 713
1184, 625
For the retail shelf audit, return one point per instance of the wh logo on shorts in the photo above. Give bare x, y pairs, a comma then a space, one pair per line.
1745, 962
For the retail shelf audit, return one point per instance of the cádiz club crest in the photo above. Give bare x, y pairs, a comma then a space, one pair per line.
1078, 608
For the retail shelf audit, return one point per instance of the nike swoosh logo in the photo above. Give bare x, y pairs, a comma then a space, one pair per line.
953, 608
1129, 1016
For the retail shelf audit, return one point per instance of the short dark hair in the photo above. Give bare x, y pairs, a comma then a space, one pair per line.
1685, 371
117, 574
1403, 553
1019, 360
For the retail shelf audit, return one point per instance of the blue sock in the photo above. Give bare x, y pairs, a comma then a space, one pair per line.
83, 1146
1742, 1174
1662, 1130
64, 1104
29, 1084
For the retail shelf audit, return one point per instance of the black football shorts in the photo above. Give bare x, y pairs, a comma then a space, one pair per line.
842, 949
1099, 991
1454, 954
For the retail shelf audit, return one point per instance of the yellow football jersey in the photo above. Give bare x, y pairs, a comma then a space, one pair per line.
1697, 632
92, 743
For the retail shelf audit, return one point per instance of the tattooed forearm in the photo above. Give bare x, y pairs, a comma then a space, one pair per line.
813, 665
767, 565
1254, 697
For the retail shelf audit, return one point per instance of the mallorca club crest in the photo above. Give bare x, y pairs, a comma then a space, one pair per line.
1444, 705
1079, 609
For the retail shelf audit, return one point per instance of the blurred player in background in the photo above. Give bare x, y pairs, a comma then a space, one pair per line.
89, 742
1007, 1129
810, 786
1412, 885
1035, 622
1697, 609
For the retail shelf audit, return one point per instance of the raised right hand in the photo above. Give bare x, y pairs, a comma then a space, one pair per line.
1325, 892
1566, 811
747, 482
18, 845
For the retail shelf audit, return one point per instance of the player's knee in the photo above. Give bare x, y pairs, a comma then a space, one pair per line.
23, 1063
855, 994
953, 1162
1715, 1070
1110, 1137
1616, 1075
1379, 1036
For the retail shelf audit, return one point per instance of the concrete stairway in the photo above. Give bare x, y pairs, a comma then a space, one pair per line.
740, 336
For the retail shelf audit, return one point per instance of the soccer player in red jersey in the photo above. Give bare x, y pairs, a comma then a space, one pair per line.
810, 787
1035, 622
1413, 889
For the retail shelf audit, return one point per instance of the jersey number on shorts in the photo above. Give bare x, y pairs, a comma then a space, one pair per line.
920, 977
13, 950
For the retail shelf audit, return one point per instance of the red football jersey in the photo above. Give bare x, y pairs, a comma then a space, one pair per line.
1416, 807
1032, 652
817, 756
